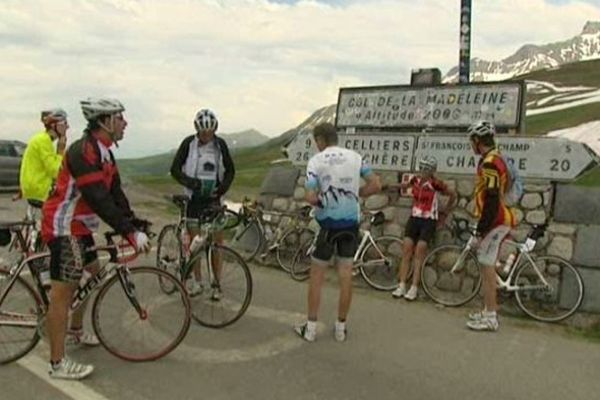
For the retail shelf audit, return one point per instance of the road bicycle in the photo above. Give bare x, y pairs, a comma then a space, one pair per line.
255, 234
377, 260
31, 232
547, 288
131, 316
225, 279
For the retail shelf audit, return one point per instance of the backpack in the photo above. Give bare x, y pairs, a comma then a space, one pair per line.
515, 185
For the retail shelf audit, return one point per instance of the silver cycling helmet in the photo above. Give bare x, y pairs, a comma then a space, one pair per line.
428, 163
481, 128
53, 115
205, 120
95, 107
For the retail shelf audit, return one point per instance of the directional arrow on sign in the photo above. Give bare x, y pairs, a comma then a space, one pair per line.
384, 151
535, 157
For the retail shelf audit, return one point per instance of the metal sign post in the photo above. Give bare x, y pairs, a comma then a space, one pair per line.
464, 56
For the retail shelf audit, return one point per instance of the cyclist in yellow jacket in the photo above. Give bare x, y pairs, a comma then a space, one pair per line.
41, 161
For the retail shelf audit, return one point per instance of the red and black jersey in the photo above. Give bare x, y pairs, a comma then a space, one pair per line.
425, 196
88, 186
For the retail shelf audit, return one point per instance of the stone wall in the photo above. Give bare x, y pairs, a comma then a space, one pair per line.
562, 239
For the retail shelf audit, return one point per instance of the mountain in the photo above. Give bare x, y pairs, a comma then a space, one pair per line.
159, 164
558, 98
530, 57
247, 138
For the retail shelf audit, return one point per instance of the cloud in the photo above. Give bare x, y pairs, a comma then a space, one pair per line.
259, 64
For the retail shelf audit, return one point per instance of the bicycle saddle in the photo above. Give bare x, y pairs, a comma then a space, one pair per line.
378, 218
35, 203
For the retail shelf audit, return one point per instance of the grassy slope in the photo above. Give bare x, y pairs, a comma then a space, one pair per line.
543, 123
253, 164
584, 73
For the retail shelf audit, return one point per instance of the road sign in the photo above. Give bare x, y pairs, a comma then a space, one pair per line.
451, 106
383, 151
535, 157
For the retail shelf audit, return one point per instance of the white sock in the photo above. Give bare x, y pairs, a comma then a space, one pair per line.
340, 326
311, 326
489, 314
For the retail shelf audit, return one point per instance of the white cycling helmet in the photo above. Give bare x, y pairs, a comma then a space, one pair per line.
53, 115
95, 107
205, 120
481, 128
428, 163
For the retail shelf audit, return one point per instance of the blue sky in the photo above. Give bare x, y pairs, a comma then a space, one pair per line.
263, 64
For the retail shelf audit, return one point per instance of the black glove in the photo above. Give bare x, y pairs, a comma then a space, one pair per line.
140, 224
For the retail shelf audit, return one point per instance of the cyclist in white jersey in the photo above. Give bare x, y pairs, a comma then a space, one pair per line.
332, 186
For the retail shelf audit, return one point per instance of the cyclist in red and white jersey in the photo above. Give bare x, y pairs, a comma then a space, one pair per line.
424, 219
88, 186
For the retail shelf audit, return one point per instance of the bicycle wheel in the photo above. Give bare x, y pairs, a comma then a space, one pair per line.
168, 256
300, 268
226, 288
553, 302
20, 314
451, 288
247, 239
147, 335
380, 262
288, 245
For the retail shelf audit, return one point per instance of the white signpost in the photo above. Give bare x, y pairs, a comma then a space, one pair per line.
534, 157
453, 107
383, 151
430, 106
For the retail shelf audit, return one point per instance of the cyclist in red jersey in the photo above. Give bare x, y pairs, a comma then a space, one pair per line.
88, 186
421, 226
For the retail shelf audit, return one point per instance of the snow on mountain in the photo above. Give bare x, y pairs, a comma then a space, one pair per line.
585, 46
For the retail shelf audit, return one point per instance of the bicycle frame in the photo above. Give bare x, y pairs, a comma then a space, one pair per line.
366, 239
85, 289
507, 284
258, 216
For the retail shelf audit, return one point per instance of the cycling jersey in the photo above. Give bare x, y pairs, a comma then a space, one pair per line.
208, 162
492, 179
426, 196
334, 174
88, 187
39, 167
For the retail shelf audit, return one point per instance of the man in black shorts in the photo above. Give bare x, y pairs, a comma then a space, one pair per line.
332, 186
205, 168
422, 224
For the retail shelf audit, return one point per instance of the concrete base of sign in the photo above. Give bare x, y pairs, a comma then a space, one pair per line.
591, 298
587, 251
577, 204
280, 181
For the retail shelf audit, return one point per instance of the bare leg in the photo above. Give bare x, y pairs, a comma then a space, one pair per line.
420, 253
217, 259
317, 275
77, 315
407, 252
345, 276
489, 288
196, 269
61, 295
